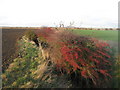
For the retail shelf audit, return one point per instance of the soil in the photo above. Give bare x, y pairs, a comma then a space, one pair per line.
9, 38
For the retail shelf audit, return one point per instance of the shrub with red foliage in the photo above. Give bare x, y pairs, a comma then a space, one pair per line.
88, 57
44, 32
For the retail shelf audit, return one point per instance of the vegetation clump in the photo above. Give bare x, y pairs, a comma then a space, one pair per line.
30, 34
30, 70
87, 58
79, 61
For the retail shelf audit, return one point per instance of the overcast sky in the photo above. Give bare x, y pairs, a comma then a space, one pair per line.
85, 13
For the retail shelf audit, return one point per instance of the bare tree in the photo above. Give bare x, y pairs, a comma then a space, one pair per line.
61, 24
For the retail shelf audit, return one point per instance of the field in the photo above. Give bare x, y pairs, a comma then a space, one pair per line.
101, 34
9, 38
10, 35
29, 59
109, 36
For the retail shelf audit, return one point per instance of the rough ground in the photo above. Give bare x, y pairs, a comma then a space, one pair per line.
9, 37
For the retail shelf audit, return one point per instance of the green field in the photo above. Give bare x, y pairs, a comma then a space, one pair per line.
112, 38
109, 36
101, 34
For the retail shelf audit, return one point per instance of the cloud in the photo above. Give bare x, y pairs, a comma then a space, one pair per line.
92, 13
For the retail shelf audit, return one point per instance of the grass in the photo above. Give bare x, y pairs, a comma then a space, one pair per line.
100, 34
110, 36
30, 70
20, 70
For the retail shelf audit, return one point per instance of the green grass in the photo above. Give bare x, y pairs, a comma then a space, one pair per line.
100, 34
107, 35
30, 70
20, 70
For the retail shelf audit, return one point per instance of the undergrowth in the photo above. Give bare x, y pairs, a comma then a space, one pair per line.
30, 70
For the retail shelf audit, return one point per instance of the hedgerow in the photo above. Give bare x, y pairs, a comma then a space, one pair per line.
89, 58
30, 70
30, 34
85, 60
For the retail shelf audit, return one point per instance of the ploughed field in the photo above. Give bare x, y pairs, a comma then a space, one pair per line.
9, 38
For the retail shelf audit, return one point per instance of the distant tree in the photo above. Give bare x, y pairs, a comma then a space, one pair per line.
61, 24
